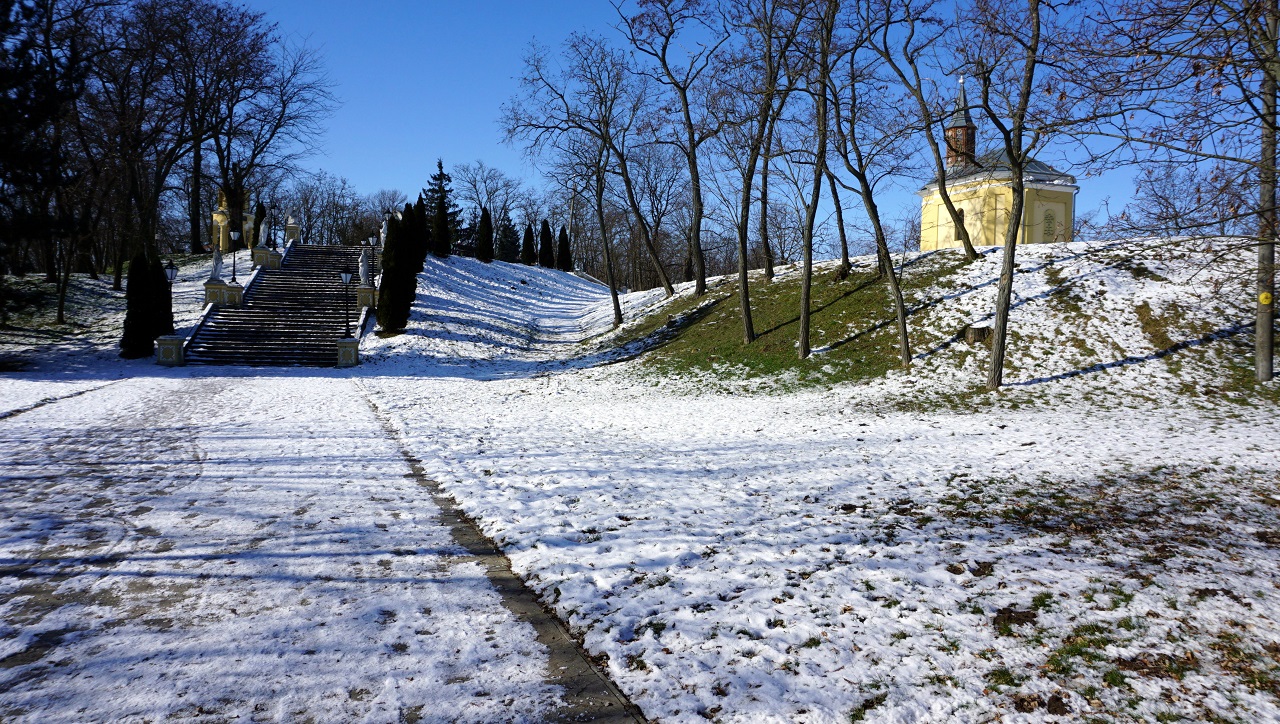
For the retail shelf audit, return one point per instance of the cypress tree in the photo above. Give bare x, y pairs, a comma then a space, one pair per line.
484, 237
399, 282
422, 215
508, 242
546, 247
528, 255
140, 317
564, 256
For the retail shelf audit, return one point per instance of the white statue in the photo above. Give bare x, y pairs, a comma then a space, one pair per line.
364, 267
216, 276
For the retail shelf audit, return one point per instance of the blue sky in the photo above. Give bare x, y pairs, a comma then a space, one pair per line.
421, 80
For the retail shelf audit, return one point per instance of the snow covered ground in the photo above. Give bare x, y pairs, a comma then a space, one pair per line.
816, 556
1100, 541
228, 546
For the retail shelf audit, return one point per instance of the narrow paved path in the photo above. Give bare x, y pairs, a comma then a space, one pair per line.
252, 548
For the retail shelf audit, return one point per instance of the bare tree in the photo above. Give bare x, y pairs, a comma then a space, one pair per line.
1002, 49
820, 48
596, 93
684, 69
875, 141
269, 118
756, 73
903, 33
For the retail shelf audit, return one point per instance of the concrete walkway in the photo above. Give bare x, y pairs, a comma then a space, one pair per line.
257, 548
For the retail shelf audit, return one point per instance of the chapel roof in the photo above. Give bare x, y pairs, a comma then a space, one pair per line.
994, 165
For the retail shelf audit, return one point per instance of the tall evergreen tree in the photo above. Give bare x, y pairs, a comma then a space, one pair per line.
140, 318
399, 280
546, 247
422, 215
409, 239
528, 253
162, 308
445, 222
508, 242
564, 256
484, 237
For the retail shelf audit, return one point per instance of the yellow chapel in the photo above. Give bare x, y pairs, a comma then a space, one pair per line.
980, 188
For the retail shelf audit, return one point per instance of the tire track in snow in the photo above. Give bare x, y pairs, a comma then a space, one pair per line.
589, 694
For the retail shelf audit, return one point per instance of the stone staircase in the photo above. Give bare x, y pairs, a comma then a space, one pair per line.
293, 316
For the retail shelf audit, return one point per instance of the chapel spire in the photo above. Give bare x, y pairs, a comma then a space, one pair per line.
960, 132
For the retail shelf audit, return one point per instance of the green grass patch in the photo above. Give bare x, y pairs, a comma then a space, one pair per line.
852, 323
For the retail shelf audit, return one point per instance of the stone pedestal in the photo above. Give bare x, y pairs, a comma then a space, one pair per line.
224, 294
366, 296
348, 352
169, 350
267, 258
235, 295
215, 292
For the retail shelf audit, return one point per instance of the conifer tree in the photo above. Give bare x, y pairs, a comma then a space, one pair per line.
399, 282
528, 254
444, 223
138, 339
484, 237
546, 247
162, 308
508, 241
410, 241
422, 215
564, 256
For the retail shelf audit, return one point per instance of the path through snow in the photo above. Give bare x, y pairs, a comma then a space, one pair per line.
227, 546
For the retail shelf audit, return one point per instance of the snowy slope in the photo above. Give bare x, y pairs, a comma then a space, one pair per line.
817, 556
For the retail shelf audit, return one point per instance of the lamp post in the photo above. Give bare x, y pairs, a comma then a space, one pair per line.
235, 239
346, 301
170, 273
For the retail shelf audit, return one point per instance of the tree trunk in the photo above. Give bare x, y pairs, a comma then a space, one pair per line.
744, 228
1264, 323
764, 204
608, 255
695, 227
646, 235
845, 265
999, 332
195, 208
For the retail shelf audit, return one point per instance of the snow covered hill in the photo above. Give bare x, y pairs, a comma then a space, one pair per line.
1117, 322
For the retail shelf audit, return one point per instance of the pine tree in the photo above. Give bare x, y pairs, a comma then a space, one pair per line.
508, 242
546, 247
484, 237
445, 220
564, 256
139, 335
528, 254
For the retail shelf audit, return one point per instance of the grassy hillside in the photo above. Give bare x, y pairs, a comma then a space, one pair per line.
1133, 320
